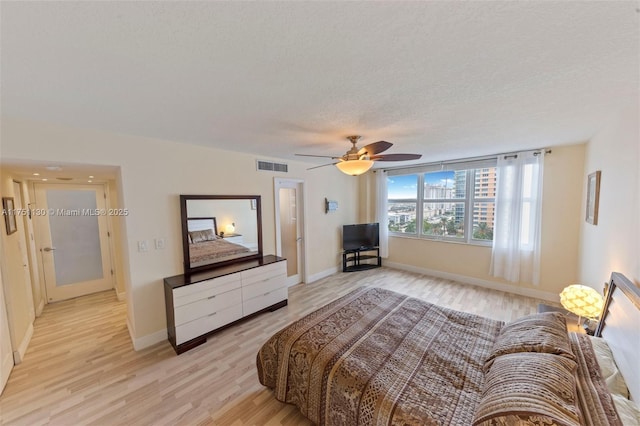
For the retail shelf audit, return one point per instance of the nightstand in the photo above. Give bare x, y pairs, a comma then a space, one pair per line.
572, 319
233, 238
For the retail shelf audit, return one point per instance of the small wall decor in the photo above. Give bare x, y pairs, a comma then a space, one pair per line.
330, 206
593, 197
8, 211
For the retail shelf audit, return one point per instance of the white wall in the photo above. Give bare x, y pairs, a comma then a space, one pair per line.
153, 173
613, 244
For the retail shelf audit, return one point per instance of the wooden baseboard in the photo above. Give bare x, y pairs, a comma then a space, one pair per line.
18, 355
143, 342
40, 308
522, 291
320, 275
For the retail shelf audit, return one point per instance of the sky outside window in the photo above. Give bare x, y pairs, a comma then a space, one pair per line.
402, 186
405, 186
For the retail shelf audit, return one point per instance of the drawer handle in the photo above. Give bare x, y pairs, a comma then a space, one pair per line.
210, 315
267, 293
212, 297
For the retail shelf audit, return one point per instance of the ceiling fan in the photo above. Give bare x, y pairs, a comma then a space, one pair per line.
357, 161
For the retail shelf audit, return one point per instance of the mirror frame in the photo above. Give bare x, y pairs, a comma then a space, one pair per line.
185, 236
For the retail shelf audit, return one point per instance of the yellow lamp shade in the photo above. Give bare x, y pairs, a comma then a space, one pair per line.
581, 300
230, 228
354, 167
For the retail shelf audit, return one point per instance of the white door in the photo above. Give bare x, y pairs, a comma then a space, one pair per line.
290, 224
6, 353
73, 239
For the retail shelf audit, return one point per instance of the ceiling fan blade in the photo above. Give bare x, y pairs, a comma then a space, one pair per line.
324, 165
320, 156
375, 148
396, 157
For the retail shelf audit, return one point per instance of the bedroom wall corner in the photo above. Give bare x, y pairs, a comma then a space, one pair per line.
325, 228
561, 210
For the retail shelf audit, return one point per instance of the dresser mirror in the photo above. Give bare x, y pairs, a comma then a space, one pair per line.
220, 229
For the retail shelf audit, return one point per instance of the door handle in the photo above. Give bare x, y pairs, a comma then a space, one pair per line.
48, 249
298, 239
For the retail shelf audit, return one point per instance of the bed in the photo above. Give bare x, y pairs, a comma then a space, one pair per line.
375, 356
205, 244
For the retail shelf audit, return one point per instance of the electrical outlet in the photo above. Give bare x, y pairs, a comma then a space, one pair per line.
160, 243
143, 245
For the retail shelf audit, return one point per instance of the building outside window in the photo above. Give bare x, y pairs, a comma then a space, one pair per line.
451, 205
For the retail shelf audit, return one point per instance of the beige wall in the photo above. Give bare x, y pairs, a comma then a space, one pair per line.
17, 284
152, 175
563, 180
612, 244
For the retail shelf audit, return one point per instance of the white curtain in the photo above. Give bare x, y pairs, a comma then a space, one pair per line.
381, 212
517, 223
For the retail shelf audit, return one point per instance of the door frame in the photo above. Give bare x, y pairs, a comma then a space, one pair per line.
37, 290
302, 202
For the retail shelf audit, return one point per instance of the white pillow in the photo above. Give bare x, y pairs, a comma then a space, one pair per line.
608, 368
627, 410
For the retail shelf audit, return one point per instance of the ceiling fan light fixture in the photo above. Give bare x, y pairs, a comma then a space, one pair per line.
357, 161
354, 167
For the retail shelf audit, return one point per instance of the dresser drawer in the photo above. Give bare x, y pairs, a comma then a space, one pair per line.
267, 298
263, 273
265, 285
204, 289
204, 325
205, 306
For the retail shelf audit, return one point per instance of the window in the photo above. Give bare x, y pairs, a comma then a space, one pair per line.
402, 203
451, 205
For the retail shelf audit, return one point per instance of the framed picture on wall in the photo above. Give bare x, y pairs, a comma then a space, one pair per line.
8, 211
593, 197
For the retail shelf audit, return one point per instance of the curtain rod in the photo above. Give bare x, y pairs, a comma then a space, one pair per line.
468, 160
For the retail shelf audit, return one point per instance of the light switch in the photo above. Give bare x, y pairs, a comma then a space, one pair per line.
159, 243
143, 245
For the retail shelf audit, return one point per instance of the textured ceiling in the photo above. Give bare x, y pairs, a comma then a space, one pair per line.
445, 79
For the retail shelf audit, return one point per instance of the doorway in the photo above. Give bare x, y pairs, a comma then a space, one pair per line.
290, 227
73, 239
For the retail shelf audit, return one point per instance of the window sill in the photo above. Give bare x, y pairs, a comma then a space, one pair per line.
437, 240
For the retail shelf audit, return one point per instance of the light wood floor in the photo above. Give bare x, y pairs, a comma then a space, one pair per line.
80, 367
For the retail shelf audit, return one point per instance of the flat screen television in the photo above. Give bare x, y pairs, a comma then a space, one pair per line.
360, 236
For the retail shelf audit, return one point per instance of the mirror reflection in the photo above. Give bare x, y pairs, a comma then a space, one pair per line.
220, 229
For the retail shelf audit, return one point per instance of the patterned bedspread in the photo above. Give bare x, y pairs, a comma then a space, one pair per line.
595, 402
378, 357
212, 250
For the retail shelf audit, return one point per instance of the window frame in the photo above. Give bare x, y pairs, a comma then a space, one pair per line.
473, 168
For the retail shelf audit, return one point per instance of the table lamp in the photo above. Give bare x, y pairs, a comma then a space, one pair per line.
582, 301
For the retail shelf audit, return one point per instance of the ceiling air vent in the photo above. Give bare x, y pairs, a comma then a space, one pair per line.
272, 167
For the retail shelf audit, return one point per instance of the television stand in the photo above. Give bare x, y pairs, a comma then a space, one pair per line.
354, 260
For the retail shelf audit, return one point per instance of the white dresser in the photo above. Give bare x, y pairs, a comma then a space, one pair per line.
200, 303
